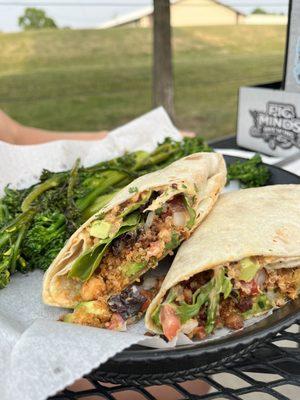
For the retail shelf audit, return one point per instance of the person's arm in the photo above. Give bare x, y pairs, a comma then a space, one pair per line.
13, 132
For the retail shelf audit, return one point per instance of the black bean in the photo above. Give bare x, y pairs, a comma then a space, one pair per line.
124, 241
244, 304
128, 303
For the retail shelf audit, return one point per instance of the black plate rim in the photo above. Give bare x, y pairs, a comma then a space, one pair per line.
197, 349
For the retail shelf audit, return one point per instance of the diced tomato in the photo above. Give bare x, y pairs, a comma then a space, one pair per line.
116, 323
149, 296
254, 287
250, 287
170, 322
145, 305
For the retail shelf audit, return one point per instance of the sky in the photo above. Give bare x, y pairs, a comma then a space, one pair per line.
86, 15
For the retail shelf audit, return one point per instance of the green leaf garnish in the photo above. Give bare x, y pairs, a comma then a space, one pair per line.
85, 265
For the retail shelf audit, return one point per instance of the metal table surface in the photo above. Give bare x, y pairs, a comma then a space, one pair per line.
270, 371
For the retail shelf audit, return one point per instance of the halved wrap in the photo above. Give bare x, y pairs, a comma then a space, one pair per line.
242, 261
95, 271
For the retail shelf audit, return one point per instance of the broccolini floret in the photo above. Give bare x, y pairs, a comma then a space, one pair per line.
250, 173
44, 239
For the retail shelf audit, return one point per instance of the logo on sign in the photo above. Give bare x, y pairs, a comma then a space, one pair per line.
277, 126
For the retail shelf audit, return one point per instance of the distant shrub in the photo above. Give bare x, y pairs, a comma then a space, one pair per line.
34, 18
259, 10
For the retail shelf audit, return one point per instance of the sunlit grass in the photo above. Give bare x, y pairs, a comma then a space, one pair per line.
98, 79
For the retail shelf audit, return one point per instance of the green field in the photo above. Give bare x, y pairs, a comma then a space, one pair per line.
98, 79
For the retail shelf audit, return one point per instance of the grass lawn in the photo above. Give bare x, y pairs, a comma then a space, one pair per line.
99, 79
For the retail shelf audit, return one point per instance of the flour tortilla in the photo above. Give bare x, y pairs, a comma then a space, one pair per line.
250, 222
200, 174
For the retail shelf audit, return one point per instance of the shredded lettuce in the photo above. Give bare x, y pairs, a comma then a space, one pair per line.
207, 294
214, 299
227, 287
174, 242
191, 211
188, 311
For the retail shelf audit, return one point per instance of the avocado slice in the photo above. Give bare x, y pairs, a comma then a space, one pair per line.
249, 269
133, 268
86, 307
100, 229
69, 318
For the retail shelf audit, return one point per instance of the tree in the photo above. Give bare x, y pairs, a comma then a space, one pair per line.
259, 11
34, 18
162, 57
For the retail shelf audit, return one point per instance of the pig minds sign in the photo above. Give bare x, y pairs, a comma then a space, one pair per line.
278, 125
269, 121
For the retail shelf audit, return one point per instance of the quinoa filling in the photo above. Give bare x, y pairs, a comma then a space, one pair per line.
127, 242
225, 297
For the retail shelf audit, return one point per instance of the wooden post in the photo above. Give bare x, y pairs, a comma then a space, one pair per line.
162, 57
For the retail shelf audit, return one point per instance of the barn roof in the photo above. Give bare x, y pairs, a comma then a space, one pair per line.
145, 11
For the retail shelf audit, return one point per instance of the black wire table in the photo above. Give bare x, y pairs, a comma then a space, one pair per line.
270, 371
266, 370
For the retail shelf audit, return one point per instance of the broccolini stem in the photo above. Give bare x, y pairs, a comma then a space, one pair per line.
162, 153
19, 221
143, 161
12, 234
72, 180
98, 204
4, 238
3, 213
51, 183
109, 179
16, 249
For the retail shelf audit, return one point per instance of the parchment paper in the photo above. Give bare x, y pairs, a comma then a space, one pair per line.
39, 355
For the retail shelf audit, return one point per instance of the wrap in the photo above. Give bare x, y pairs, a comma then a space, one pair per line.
143, 223
243, 260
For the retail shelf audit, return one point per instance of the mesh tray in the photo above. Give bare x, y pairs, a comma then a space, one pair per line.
270, 371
